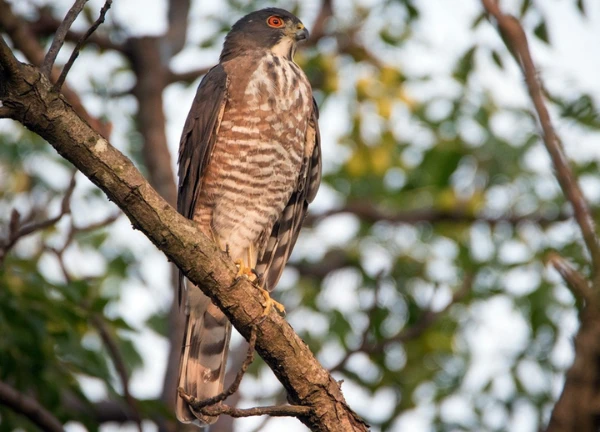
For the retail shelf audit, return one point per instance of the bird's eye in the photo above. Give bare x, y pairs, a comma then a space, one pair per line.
275, 21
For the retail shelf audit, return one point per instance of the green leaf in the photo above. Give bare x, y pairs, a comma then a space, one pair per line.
541, 32
464, 66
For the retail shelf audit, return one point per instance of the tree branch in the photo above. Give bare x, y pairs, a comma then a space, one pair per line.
16, 231
63, 75
178, 24
577, 406
273, 411
47, 25
59, 37
308, 384
26, 42
30, 408
578, 285
119, 365
318, 28
371, 213
515, 37
186, 77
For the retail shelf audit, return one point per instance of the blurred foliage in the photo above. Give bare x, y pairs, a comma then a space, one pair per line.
428, 141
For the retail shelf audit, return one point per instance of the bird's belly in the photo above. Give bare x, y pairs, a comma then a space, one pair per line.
250, 194
258, 155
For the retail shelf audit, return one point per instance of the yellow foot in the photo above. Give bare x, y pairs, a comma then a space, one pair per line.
270, 304
245, 271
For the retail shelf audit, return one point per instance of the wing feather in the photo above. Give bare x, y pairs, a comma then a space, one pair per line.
198, 139
199, 136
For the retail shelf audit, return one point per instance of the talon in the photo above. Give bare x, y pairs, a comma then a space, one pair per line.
270, 304
248, 272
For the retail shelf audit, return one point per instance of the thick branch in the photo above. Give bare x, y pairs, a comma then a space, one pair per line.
30, 408
186, 77
146, 60
305, 380
178, 24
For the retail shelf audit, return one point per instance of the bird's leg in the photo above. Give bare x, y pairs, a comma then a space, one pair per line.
244, 270
270, 303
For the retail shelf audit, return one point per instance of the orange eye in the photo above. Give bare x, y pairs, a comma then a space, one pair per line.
275, 22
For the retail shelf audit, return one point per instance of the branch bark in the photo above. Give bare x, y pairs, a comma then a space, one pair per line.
46, 113
59, 37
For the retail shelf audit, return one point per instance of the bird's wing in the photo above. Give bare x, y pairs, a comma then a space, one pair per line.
198, 140
199, 137
285, 231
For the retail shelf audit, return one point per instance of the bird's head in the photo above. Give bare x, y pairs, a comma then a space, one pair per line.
271, 29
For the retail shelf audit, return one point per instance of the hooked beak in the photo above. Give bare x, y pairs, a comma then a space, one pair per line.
301, 34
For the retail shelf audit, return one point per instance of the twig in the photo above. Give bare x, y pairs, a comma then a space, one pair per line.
9, 66
96, 320
365, 335
59, 38
578, 285
515, 37
47, 25
273, 411
65, 208
26, 42
30, 408
428, 318
61, 79
16, 231
119, 364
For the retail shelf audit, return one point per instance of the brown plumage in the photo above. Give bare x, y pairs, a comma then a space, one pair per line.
249, 164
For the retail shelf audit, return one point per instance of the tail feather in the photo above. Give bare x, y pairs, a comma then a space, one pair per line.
204, 355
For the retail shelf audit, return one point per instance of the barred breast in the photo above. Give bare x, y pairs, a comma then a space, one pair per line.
258, 154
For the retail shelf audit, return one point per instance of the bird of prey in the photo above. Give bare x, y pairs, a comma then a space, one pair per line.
249, 164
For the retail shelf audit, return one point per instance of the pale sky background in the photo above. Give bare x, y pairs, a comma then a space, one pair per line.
442, 34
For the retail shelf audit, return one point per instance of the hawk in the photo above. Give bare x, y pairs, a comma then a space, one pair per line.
249, 165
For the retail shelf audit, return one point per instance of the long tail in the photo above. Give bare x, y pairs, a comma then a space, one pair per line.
204, 354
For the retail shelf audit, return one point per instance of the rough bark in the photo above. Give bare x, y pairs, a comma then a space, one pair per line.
577, 408
28, 96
